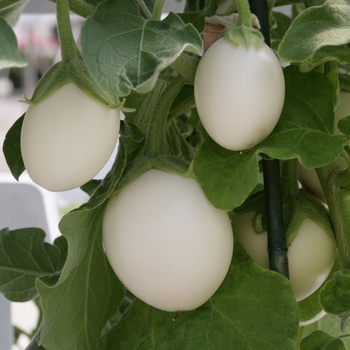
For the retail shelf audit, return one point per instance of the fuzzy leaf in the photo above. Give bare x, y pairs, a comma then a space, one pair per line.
125, 52
9, 55
253, 309
77, 306
24, 256
325, 54
315, 28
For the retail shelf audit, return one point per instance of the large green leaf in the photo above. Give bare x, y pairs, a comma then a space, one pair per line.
24, 256
87, 294
304, 131
254, 308
124, 51
9, 56
315, 28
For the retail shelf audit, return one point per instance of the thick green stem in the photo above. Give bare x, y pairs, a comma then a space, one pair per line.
335, 184
68, 46
155, 141
244, 13
145, 9
158, 9
80, 7
186, 65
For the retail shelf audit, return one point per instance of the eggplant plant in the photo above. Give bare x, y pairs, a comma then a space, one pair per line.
215, 110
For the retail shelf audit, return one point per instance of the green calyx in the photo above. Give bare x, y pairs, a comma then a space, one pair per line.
242, 35
71, 69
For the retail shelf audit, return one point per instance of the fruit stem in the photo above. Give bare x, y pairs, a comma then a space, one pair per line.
145, 9
244, 13
155, 141
69, 49
158, 9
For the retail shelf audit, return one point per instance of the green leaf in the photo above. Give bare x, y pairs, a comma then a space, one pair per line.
77, 306
304, 131
197, 18
12, 148
329, 324
125, 52
326, 54
9, 55
320, 340
281, 24
107, 185
314, 28
62, 244
344, 125
24, 256
10, 10
309, 307
254, 308
335, 294
227, 177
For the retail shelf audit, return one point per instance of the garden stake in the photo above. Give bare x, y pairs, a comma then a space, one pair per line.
277, 247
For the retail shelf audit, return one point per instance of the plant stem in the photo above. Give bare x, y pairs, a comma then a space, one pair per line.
244, 13
158, 9
155, 141
145, 9
335, 185
68, 46
80, 7
186, 65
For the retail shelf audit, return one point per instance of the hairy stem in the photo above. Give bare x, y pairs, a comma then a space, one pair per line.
155, 141
145, 9
68, 46
158, 9
335, 185
244, 13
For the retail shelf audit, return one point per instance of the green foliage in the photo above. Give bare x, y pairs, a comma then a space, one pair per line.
127, 51
9, 55
87, 288
12, 148
304, 131
249, 294
321, 340
335, 294
315, 28
24, 256
137, 49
